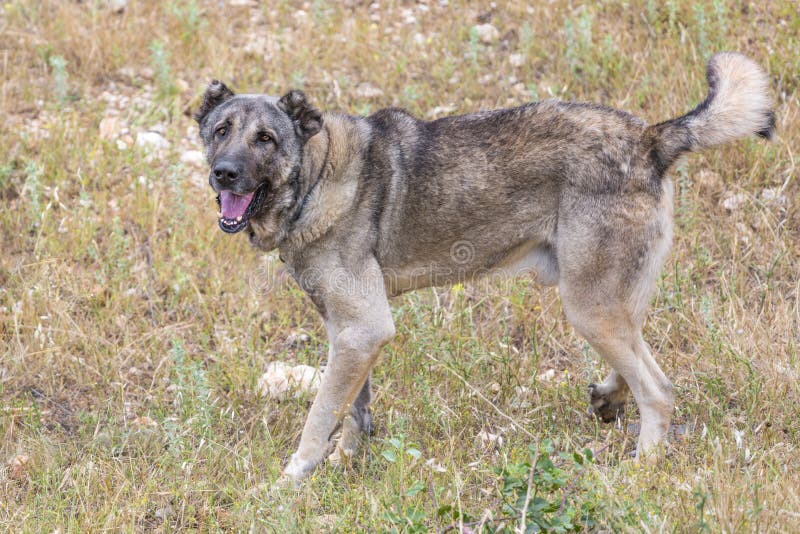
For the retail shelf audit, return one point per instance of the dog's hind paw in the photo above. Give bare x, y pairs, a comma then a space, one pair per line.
348, 443
603, 406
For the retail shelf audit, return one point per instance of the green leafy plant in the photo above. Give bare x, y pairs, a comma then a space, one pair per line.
404, 514
159, 56
537, 492
192, 394
60, 77
190, 17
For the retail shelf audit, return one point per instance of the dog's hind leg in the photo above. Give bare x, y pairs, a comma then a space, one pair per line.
360, 410
609, 256
613, 333
356, 425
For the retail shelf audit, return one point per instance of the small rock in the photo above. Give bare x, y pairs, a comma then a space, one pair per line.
773, 196
732, 202
147, 73
487, 33
709, 181
117, 6
182, 85
328, 521
367, 90
151, 141
442, 110
143, 422
193, 157
256, 46
164, 513
520, 89
435, 466
487, 438
516, 60
109, 127
127, 72
281, 379
297, 339
547, 376
743, 233
18, 467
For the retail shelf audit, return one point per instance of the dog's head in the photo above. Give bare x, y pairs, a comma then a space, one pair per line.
254, 147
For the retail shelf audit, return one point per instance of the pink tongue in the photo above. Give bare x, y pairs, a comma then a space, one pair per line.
234, 205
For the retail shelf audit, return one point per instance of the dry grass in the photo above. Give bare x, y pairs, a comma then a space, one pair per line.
133, 331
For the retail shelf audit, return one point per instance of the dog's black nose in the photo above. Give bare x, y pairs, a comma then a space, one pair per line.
226, 172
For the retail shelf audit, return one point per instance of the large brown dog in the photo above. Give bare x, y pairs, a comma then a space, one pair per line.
364, 208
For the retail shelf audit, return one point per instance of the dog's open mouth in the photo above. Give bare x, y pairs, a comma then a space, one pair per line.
236, 210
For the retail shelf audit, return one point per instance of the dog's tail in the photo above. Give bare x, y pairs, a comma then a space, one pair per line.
738, 104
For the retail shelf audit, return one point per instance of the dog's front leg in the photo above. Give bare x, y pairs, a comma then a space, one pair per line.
362, 326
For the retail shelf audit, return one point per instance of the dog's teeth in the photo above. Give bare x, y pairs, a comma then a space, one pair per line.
239, 218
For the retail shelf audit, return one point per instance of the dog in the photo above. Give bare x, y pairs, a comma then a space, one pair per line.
364, 208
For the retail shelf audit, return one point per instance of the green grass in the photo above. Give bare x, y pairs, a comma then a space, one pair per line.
133, 332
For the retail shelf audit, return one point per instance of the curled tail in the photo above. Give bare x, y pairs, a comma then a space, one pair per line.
738, 104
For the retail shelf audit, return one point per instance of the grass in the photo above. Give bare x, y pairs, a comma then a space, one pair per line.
133, 332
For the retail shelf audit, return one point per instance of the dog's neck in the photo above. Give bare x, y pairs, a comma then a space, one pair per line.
328, 180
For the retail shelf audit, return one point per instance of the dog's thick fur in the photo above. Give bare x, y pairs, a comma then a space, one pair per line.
364, 208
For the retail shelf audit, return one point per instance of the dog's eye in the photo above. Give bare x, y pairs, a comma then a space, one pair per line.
222, 130
264, 137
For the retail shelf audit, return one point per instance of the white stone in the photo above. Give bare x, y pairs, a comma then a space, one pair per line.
516, 60
117, 6
487, 33
367, 90
151, 141
441, 110
193, 157
772, 195
734, 202
109, 127
487, 438
547, 376
282, 380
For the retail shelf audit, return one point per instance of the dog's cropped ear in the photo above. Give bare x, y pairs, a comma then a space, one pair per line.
216, 93
307, 119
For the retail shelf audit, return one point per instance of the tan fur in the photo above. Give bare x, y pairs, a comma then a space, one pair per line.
741, 105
